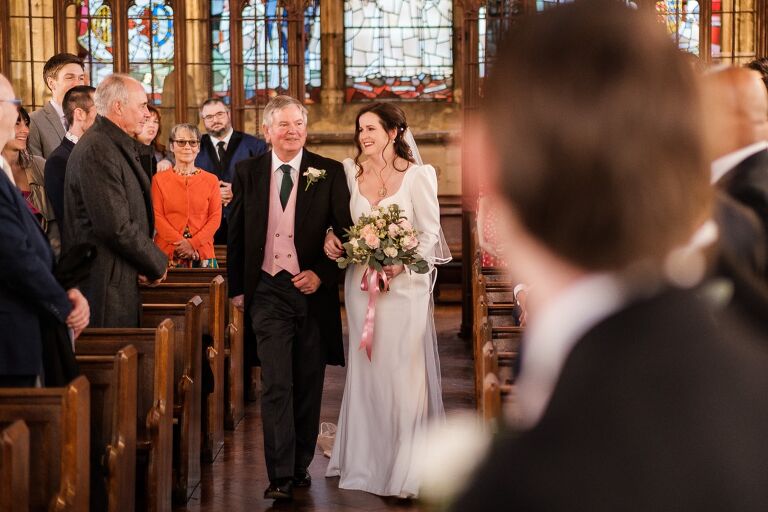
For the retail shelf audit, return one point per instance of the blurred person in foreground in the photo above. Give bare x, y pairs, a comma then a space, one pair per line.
107, 203
31, 299
187, 205
634, 394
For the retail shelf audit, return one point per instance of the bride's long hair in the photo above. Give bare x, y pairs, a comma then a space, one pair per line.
391, 118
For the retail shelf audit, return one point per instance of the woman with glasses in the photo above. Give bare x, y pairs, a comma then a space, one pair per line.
28, 175
187, 205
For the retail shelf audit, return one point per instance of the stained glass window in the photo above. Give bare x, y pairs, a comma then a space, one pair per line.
734, 25
94, 38
150, 45
312, 58
682, 19
265, 50
221, 55
398, 49
494, 20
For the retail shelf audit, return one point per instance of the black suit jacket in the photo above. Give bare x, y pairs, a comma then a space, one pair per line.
55, 170
324, 204
658, 407
748, 184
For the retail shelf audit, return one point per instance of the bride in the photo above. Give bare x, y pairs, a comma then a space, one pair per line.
389, 399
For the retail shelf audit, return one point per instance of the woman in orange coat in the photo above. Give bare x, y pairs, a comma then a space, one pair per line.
187, 205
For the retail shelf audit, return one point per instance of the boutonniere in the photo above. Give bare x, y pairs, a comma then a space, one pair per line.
313, 176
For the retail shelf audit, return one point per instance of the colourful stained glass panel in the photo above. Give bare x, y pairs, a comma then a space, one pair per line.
398, 49
265, 50
151, 45
94, 38
681, 17
221, 54
312, 58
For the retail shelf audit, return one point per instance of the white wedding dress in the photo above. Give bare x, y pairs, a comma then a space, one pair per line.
388, 400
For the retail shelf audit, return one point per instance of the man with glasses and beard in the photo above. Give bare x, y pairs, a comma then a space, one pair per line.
220, 150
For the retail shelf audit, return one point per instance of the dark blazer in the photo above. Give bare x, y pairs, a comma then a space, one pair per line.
748, 184
656, 408
45, 131
107, 203
241, 146
28, 289
325, 203
55, 170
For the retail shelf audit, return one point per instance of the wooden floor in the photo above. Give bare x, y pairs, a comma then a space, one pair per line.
235, 482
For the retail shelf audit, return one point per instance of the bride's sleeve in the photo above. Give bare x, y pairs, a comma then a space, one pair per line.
350, 170
426, 210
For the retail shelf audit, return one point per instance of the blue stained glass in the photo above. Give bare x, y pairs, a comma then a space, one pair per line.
221, 54
681, 17
265, 50
312, 57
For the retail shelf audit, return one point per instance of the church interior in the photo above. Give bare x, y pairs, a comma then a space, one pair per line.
197, 443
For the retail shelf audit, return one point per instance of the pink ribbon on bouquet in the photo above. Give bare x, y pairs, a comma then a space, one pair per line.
370, 284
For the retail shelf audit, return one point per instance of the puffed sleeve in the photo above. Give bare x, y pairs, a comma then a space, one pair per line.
426, 209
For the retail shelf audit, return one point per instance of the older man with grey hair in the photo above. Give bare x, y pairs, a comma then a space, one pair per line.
107, 203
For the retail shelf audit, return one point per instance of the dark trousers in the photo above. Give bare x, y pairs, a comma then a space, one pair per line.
220, 237
17, 381
292, 369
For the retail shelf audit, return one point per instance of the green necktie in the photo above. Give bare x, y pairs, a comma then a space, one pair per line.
286, 185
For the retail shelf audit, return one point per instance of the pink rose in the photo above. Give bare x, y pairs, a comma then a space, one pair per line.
393, 230
380, 223
410, 242
405, 224
367, 230
371, 240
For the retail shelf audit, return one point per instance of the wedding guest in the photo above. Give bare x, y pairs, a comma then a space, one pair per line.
80, 113
187, 205
30, 296
628, 381
107, 203
761, 66
28, 172
221, 149
150, 136
48, 125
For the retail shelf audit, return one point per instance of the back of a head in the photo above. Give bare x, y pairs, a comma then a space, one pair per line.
594, 116
80, 96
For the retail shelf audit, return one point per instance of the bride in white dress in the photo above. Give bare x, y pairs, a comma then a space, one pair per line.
389, 399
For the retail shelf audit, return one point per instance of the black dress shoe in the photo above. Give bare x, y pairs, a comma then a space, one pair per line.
302, 479
279, 490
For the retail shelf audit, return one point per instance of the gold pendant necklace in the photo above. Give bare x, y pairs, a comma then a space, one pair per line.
383, 189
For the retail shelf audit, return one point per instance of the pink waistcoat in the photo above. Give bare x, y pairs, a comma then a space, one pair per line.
280, 251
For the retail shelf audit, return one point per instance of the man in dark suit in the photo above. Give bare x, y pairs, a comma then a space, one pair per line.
107, 203
633, 395
220, 151
48, 125
80, 113
28, 290
288, 286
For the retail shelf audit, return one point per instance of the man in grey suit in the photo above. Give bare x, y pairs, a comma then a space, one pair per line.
48, 125
107, 203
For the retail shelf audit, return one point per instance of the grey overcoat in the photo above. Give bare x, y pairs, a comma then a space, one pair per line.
107, 203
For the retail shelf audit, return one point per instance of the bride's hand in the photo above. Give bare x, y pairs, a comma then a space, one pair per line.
393, 271
332, 246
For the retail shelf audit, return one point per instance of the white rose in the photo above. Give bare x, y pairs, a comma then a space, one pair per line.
374, 213
354, 244
390, 252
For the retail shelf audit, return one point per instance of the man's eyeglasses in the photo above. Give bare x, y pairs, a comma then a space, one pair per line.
181, 143
217, 115
14, 101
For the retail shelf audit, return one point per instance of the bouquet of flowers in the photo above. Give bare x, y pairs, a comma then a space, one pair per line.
383, 237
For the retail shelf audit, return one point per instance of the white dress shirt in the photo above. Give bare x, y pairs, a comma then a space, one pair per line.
552, 333
59, 110
722, 165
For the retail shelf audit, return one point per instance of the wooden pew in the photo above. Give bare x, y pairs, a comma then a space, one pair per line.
14, 467
59, 433
233, 344
214, 311
154, 412
188, 349
220, 251
113, 380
